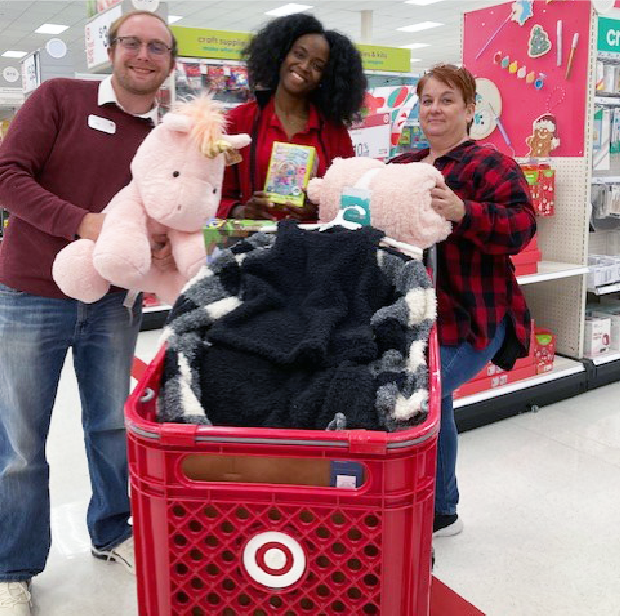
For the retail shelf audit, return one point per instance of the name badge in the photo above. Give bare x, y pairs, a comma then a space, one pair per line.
101, 124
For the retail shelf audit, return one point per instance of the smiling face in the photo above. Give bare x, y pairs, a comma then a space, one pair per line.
141, 72
303, 66
443, 114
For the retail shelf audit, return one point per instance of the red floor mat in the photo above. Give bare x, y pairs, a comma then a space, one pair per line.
445, 602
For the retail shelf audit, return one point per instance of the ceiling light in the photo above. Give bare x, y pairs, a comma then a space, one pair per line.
414, 46
425, 25
288, 9
422, 2
51, 29
173, 18
14, 54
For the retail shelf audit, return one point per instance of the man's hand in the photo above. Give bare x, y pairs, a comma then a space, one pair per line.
90, 227
446, 202
161, 253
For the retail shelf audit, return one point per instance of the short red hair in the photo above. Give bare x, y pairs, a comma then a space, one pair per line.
459, 78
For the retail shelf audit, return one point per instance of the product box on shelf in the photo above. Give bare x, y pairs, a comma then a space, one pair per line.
596, 336
493, 370
493, 382
611, 312
545, 348
603, 270
541, 181
492, 376
526, 261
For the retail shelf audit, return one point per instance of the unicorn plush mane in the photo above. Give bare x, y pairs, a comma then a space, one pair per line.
207, 120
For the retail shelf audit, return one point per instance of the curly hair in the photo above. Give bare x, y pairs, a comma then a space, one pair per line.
341, 92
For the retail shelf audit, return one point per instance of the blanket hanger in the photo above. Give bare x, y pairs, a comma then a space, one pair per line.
339, 220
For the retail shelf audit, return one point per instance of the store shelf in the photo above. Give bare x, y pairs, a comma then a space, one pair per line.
551, 270
612, 100
612, 56
605, 179
604, 290
562, 367
605, 358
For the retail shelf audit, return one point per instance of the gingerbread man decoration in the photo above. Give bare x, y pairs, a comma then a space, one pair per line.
544, 138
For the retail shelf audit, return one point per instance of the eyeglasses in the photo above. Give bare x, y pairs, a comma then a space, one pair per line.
133, 44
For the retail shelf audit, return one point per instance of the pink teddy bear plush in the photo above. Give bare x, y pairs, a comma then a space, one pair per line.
400, 197
175, 189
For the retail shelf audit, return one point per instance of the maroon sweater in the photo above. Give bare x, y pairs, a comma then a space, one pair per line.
54, 169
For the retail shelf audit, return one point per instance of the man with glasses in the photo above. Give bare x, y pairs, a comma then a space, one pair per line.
66, 154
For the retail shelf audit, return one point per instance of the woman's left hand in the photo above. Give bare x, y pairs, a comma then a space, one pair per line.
446, 202
307, 213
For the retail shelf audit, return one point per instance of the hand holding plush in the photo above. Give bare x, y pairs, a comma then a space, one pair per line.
401, 197
177, 179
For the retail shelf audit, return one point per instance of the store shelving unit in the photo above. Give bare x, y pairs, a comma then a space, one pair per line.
553, 270
557, 294
605, 290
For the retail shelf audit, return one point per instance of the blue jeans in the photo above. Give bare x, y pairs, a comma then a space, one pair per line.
458, 364
35, 334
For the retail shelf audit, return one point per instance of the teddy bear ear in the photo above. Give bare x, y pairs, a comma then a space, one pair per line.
177, 122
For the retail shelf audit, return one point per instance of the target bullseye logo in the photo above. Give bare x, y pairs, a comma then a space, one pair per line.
275, 560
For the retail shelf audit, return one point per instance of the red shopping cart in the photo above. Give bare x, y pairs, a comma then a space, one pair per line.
209, 544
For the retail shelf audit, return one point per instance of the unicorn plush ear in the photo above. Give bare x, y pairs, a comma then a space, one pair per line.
177, 122
313, 190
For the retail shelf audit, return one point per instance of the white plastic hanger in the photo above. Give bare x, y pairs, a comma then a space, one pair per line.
407, 249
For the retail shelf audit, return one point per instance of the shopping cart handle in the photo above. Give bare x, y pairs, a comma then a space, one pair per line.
367, 441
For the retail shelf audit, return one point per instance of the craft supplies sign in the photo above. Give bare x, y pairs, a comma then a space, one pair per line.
218, 44
223, 45
521, 51
608, 35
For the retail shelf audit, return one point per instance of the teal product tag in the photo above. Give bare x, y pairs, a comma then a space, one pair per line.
360, 197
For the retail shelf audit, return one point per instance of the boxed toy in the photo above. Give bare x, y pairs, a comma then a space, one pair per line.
596, 336
545, 348
290, 168
220, 234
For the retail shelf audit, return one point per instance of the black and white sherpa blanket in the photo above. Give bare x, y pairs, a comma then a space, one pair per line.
301, 329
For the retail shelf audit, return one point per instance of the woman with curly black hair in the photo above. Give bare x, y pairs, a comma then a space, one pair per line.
309, 84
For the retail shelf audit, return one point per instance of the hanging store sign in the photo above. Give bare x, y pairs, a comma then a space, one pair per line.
607, 35
223, 45
218, 44
389, 59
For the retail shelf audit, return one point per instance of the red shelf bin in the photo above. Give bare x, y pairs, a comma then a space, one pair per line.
207, 548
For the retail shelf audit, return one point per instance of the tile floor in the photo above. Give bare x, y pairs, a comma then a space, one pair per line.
540, 502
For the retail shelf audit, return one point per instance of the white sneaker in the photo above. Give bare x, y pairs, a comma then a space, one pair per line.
122, 553
14, 599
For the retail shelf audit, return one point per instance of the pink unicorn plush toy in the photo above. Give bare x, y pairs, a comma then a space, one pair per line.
175, 189
400, 202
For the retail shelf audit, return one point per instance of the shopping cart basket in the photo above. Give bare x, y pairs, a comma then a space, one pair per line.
208, 547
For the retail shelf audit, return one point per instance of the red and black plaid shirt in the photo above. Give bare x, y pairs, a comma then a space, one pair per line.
476, 284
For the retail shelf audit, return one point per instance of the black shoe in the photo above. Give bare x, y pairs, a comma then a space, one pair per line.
446, 525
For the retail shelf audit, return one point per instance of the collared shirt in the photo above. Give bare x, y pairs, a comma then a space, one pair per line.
107, 95
476, 284
330, 140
